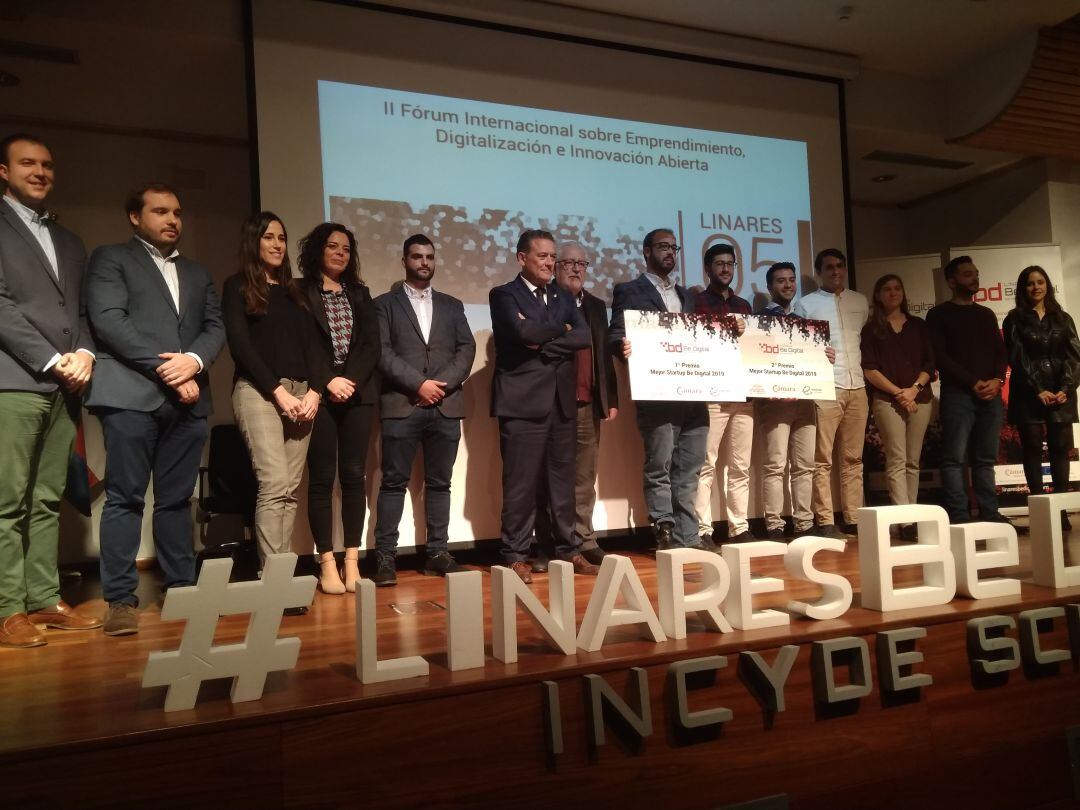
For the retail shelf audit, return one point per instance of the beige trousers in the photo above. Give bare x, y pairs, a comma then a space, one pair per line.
278, 448
841, 422
902, 436
790, 431
730, 441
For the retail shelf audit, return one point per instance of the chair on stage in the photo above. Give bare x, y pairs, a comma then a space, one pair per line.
227, 486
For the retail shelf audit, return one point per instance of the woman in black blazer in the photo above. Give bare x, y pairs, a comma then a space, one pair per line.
1044, 354
348, 326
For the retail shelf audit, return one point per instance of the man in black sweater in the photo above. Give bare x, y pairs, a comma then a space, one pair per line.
971, 359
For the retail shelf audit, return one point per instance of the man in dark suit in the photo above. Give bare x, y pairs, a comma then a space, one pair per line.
157, 322
427, 353
537, 329
46, 359
674, 433
597, 394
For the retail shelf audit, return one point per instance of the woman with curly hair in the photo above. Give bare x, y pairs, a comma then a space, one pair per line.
348, 332
1044, 354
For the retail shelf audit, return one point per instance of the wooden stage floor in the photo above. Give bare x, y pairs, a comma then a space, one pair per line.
79, 700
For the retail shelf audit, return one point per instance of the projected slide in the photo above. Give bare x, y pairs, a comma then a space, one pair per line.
473, 174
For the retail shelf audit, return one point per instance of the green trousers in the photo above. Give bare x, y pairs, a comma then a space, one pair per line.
36, 435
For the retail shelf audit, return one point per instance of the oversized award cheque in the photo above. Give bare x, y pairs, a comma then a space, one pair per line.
703, 357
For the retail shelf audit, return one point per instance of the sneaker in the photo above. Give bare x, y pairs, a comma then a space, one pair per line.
745, 536
665, 536
775, 534
909, 532
827, 530
439, 565
121, 619
385, 572
708, 544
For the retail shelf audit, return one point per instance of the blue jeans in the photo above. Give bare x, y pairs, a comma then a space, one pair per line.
968, 422
675, 435
167, 444
439, 437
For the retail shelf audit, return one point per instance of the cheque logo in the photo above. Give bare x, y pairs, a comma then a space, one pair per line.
672, 348
685, 390
769, 348
806, 389
783, 389
757, 390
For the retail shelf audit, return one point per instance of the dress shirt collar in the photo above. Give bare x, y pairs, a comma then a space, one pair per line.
157, 254
27, 214
532, 287
415, 294
663, 284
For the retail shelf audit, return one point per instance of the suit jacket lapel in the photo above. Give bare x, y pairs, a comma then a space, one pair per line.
652, 293
528, 301
314, 294
142, 256
406, 306
16, 223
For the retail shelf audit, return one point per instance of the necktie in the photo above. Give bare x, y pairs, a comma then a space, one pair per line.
539, 293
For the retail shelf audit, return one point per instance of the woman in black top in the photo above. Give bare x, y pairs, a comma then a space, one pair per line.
348, 332
274, 347
1044, 354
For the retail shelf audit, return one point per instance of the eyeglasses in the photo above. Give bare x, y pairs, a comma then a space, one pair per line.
570, 264
732, 265
664, 247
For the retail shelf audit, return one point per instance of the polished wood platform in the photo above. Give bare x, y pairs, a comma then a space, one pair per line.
78, 727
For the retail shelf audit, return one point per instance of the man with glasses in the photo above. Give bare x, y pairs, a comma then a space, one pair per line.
673, 433
730, 422
597, 392
842, 419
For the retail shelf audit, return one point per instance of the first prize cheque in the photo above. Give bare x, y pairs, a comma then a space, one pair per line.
680, 356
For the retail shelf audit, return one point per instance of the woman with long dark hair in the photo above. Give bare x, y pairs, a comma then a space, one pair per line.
349, 336
1044, 354
274, 346
898, 362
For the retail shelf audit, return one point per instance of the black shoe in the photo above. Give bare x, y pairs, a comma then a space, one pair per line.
708, 544
909, 532
851, 529
809, 530
665, 535
595, 555
440, 564
385, 573
539, 564
296, 611
1066, 524
828, 530
745, 536
775, 534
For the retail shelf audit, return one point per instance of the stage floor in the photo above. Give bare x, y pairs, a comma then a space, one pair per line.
83, 688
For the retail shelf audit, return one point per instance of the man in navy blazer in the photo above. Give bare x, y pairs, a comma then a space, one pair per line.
537, 329
427, 353
157, 322
46, 359
674, 433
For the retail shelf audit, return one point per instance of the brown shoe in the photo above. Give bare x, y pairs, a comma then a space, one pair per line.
523, 570
63, 617
583, 566
121, 619
17, 631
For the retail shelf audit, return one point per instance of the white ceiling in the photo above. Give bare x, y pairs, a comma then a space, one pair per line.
189, 57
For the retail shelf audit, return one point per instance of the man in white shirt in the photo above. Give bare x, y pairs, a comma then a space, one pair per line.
843, 419
46, 359
157, 322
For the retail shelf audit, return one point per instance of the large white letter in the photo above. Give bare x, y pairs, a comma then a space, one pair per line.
705, 601
464, 620
835, 589
1001, 552
878, 557
1047, 550
617, 575
556, 625
368, 666
739, 603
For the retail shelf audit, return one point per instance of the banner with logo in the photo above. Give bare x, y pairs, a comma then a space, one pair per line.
785, 358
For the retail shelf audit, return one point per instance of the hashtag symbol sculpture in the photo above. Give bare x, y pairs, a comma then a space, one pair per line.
247, 663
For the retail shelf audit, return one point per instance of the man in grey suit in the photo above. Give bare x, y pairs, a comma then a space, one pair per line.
157, 322
427, 353
46, 359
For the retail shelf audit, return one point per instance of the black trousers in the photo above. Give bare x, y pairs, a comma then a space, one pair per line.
339, 445
1058, 444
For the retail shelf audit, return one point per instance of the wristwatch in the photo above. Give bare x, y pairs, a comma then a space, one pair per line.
919, 386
